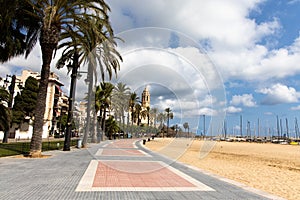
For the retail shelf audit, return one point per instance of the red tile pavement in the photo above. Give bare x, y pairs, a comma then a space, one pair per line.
117, 174
122, 152
127, 143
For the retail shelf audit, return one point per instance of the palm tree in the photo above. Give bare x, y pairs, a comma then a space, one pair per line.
161, 117
186, 126
169, 116
103, 101
148, 115
137, 112
97, 50
5, 113
50, 19
111, 127
143, 113
18, 29
132, 101
153, 115
120, 97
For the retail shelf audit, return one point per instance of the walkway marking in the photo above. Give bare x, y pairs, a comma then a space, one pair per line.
121, 152
108, 175
130, 143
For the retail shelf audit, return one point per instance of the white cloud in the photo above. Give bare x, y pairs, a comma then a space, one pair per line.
293, 1
208, 112
279, 93
295, 107
160, 98
245, 100
259, 63
232, 36
233, 40
232, 109
34, 63
199, 19
268, 113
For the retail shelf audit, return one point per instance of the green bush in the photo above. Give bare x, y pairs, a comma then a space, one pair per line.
17, 148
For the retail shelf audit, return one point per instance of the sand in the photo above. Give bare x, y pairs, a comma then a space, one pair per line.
273, 168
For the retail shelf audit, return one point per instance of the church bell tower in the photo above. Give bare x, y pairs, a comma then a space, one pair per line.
146, 98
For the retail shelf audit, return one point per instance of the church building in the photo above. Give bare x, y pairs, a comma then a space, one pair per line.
145, 105
144, 109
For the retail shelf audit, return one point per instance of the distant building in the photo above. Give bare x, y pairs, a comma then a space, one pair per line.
145, 107
145, 98
80, 116
56, 105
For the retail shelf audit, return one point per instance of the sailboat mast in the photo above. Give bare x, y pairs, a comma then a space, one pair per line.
287, 128
296, 128
258, 127
278, 131
241, 126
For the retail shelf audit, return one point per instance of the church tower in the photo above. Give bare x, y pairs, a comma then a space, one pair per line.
146, 98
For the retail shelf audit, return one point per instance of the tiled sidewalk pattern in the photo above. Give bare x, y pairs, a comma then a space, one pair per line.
103, 176
109, 177
133, 175
79, 174
120, 152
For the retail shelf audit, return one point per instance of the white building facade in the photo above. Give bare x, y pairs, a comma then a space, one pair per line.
56, 103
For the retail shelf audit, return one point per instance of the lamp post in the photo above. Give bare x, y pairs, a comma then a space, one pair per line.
74, 66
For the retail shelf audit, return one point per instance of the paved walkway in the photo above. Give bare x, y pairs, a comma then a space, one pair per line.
120, 169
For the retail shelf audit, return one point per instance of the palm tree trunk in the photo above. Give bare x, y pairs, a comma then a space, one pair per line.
103, 125
88, 109
94, 133
132, 115
36, 140
123, 119
99, 131
48, 40
168, 126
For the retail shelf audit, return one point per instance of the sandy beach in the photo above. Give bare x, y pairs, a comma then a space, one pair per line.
273, 168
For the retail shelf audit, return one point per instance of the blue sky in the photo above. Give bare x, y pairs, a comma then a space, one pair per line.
252, 47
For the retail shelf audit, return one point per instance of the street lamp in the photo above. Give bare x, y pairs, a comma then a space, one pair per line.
74, 67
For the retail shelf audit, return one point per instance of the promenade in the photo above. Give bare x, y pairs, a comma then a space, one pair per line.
120, 169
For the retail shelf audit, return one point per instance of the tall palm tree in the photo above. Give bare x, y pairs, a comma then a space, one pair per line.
51, 19
111, 127
120, 97
18, 29
161, 117
169, 116
145, 114
153, 115
5, 113
97, 49
103, 101
148, 115
132, 101
186, 126
137, 112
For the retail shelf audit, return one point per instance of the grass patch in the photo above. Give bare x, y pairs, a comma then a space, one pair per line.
17, 148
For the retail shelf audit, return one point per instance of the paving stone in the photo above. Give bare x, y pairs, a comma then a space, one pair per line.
58, 176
